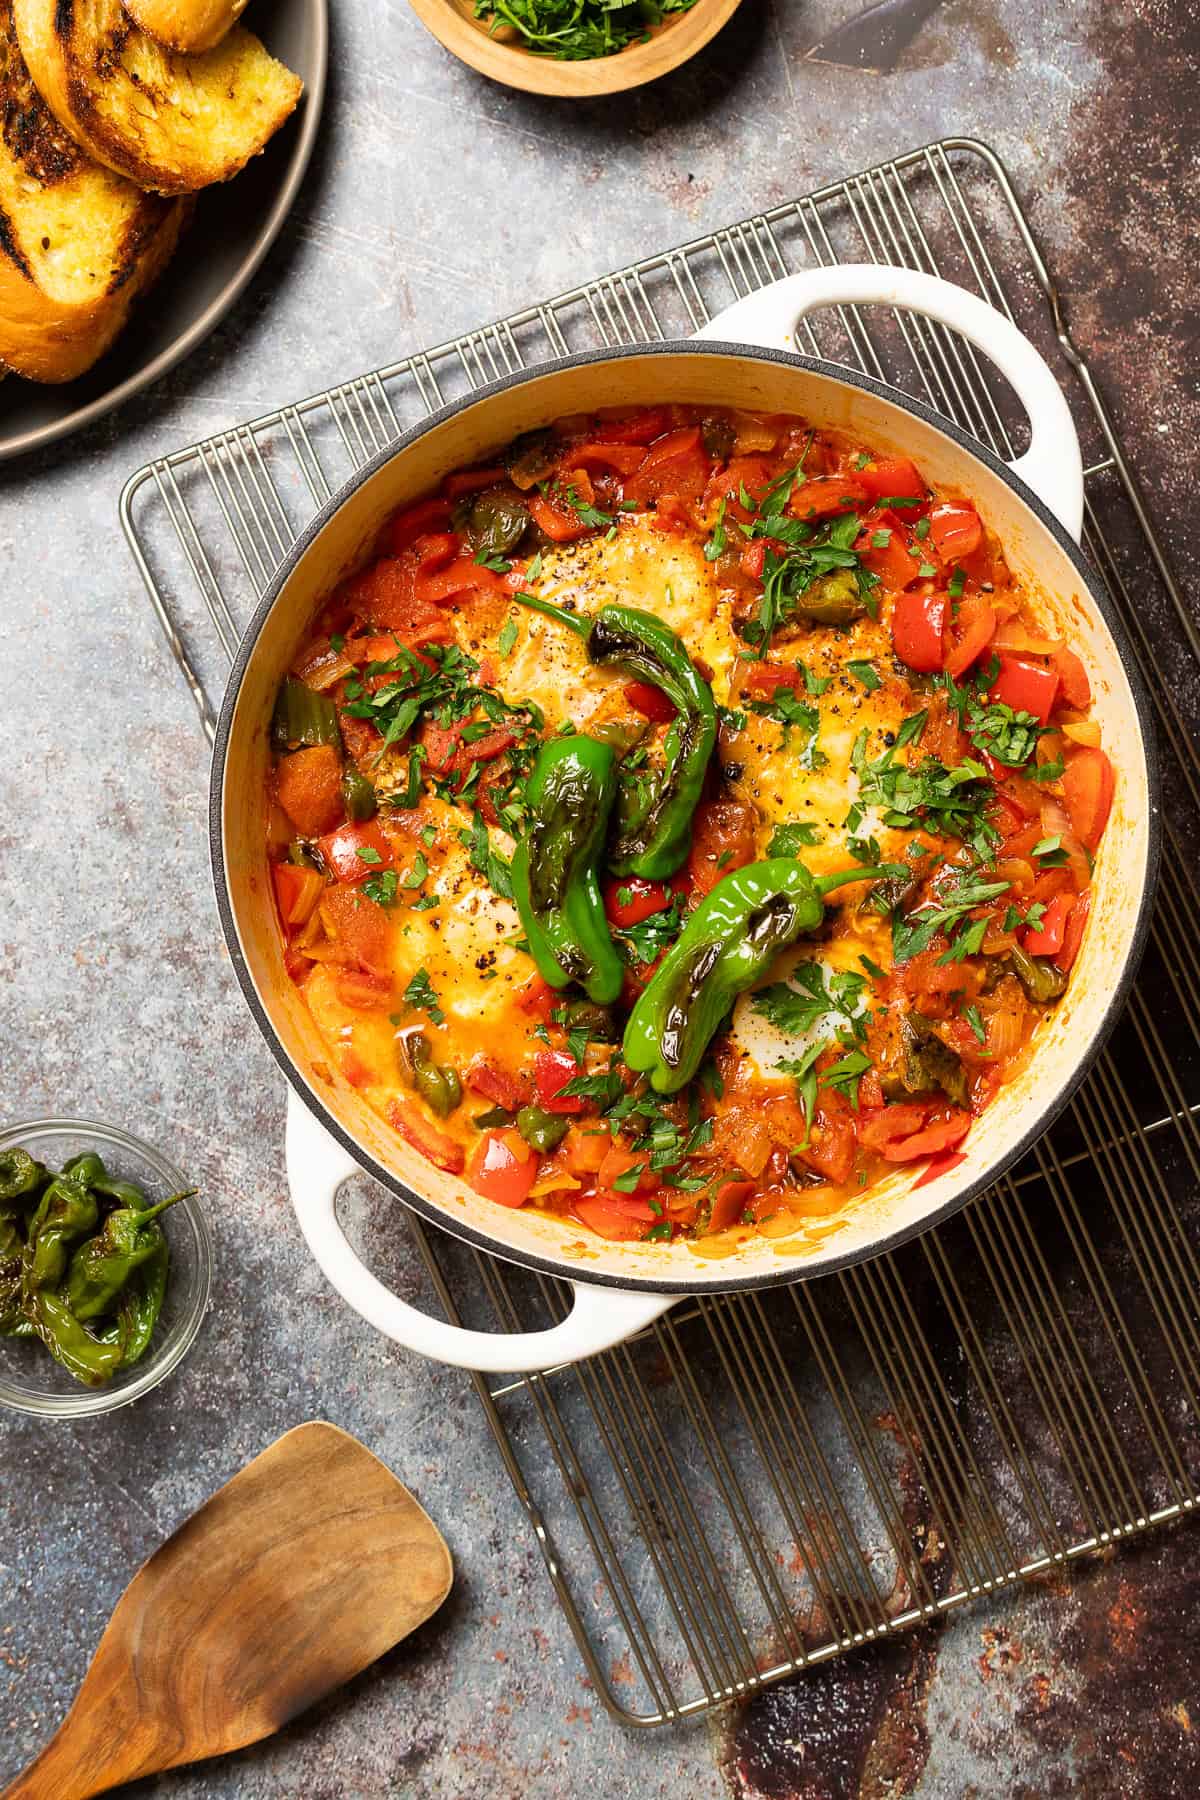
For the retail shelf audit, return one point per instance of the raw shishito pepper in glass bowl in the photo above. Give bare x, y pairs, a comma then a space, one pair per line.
105, 1268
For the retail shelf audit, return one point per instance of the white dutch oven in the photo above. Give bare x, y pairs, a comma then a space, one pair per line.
1035, 507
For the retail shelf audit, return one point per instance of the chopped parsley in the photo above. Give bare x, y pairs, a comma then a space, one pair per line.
948, 801
794, 715
508, 637
792, 837
719, 538
795, 1009
914, 932
867, 673
382, 888
420, 995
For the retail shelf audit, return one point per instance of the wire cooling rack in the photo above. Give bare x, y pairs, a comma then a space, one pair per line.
758, 1483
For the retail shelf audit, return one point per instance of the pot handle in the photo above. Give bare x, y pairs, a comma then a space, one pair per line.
599, 1317
1052, 466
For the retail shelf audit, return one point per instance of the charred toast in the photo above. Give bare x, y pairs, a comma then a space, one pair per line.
170, 123
186, 25
78, 244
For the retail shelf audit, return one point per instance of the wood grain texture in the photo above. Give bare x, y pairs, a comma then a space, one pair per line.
295, 1576
502, 57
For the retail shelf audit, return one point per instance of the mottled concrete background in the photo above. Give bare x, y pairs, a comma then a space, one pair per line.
438, 201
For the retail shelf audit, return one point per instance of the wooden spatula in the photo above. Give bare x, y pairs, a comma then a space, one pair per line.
299, 1572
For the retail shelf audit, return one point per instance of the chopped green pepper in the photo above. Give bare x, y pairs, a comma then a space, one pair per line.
358, 795
542, 1130
440, 1087
302, 716
555, 868
654, 822
728, 942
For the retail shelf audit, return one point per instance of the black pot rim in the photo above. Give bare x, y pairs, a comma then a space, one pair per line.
1044, 1115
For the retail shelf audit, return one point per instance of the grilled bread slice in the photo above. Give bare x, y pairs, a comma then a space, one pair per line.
78, 244
186, 25
171, 123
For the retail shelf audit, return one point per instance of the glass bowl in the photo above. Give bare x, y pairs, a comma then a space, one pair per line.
30, 1379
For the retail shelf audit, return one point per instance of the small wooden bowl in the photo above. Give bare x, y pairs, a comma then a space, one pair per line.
503, 57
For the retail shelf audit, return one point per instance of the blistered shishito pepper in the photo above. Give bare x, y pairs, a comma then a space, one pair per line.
141, 1304
66, 1213
102, 1268
87, 1358
654, 821
728, 942
555, 869
20, 1177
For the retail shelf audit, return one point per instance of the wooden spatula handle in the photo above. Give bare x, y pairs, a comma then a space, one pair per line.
65, 1770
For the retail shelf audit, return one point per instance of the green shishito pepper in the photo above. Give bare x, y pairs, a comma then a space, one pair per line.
555, 868
727, 943
655, 818
101, 1268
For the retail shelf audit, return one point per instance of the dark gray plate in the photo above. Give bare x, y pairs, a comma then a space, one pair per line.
234, 227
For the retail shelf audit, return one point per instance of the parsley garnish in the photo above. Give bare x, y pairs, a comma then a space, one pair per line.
914, 932
794, 715
717, 542
382, 888
867, 673
795, 1009
508, 637
795, 835
420, 994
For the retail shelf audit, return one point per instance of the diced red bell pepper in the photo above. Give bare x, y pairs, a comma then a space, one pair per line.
675, 464
826, 495
1046, 938
729, 1203
622, 459
471, 481
462, 576
884, 476
941, 1135
308, 784
955, 530
417, 521
356, 852
434, 1145
1073, 935
830, 1147
552, 1070
939, 1165
559, 524
496, 1084
918, 630
893, 562
972, 627
763, 678
437, 551
607, 1221
1088, 783
630, 899
1026, 686
641, 427
499, 1171
753, 559
363, 934
650, 701
297, 891
1076, 687
537, 999
892, 1124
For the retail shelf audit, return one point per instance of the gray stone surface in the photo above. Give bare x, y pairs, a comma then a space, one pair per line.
436, 201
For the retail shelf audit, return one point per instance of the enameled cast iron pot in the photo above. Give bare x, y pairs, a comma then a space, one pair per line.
1035, 507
